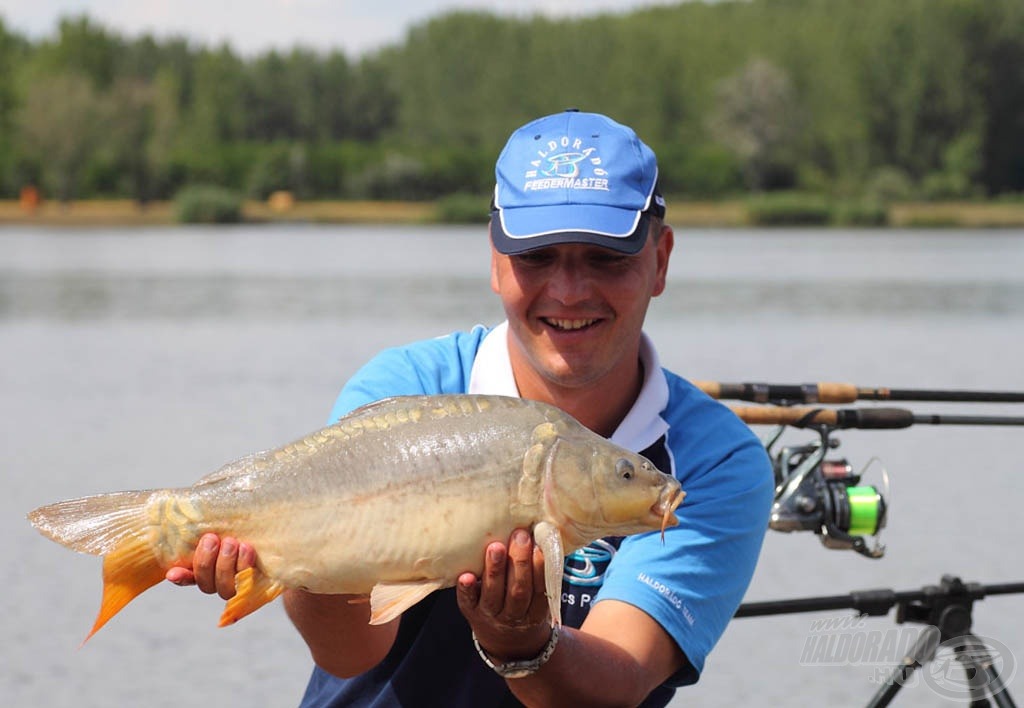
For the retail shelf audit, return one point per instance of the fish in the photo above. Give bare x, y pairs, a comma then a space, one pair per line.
393, 502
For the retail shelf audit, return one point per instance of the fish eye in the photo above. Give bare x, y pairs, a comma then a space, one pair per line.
624, 468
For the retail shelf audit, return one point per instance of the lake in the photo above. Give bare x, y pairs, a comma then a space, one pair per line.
147, 358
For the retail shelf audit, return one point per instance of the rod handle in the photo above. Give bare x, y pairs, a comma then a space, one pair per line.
866, 418
823, 392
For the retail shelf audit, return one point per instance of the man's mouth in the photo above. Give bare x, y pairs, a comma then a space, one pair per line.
568, 325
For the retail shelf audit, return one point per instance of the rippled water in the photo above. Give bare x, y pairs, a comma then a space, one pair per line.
142, 358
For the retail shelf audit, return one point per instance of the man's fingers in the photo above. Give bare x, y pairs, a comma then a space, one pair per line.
519, 578
492, 582
180, 576
204, 563
214, 565
246, 556
467, 592
227, 566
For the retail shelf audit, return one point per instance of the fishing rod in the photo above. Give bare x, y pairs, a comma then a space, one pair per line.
826, 496
862, 418
831, 392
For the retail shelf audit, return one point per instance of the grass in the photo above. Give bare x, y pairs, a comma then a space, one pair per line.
958, 214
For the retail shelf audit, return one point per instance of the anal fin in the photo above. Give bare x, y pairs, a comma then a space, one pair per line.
389, 600
253, 590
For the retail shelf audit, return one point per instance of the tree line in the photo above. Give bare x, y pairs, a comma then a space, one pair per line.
889, 100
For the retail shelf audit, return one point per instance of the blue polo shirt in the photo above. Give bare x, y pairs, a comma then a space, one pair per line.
691, 584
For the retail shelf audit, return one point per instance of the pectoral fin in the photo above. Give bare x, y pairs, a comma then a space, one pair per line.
253, 590
389, 600
546, 536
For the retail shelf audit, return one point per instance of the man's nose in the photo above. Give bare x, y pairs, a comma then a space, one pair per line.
568, 283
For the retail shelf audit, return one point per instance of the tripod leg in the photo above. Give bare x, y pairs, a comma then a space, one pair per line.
982, 676
919, 654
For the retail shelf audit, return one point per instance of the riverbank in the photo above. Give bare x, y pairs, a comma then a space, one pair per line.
125, 212
681, 214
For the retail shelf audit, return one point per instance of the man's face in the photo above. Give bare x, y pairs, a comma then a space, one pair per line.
575, 311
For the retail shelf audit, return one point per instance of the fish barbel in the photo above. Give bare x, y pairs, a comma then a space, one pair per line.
395, 500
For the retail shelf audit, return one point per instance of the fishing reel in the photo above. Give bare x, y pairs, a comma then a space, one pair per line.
826, 496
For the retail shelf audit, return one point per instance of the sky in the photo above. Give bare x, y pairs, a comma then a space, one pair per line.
255, 26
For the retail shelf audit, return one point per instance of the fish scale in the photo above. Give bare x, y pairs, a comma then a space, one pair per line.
393, 501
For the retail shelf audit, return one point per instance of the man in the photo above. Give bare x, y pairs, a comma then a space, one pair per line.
579, 248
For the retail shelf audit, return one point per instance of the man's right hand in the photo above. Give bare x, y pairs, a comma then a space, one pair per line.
214, 565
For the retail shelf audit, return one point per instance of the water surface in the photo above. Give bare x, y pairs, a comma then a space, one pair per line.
144, 358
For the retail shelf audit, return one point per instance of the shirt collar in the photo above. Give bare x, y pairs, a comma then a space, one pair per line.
643, 425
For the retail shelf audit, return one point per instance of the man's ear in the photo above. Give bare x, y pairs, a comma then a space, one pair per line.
666, 240
494, 270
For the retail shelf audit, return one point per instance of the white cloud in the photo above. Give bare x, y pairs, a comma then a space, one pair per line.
251, 26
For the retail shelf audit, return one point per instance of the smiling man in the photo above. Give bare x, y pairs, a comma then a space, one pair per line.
579, 249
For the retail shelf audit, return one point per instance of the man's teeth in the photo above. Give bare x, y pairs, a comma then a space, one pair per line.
570, 324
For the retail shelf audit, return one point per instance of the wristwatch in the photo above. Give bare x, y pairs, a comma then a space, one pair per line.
523, 668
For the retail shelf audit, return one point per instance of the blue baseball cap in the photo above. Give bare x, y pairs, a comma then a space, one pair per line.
574, 177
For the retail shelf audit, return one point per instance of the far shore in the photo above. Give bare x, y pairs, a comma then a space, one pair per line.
719, 214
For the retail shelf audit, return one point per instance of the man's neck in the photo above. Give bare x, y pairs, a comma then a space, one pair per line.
598, 407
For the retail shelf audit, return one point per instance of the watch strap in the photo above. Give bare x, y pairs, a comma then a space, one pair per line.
525, 667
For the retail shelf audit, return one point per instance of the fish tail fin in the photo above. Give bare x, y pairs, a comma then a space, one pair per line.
111, 525
253, 590
95, 524
128, 571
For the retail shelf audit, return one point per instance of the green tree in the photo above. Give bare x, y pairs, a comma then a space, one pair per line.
163, 136
85, 48
60, 124
757, 118
7, 107
127, 111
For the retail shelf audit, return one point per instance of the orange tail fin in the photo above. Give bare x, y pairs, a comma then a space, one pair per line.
253, 591
128, 570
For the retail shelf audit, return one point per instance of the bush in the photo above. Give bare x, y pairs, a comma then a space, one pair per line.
702, 172
276, 169
889, 184
463, 208
941, 186
207, 204
863, 213
789, 209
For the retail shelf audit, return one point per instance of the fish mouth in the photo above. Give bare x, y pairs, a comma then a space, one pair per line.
668, 507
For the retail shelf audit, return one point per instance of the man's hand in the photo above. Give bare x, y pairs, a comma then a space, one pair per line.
506, 607
214, 565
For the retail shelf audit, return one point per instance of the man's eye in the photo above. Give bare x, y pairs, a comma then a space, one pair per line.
533, 258
609, 259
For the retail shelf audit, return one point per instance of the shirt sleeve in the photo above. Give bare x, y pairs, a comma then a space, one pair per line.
693, 582
429, 367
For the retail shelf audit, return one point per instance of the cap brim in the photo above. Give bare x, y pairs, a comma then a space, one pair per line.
512, 230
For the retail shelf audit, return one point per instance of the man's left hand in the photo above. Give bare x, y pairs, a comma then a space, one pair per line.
506, 607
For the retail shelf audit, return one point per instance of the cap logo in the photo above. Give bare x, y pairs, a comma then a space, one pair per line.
559, 165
